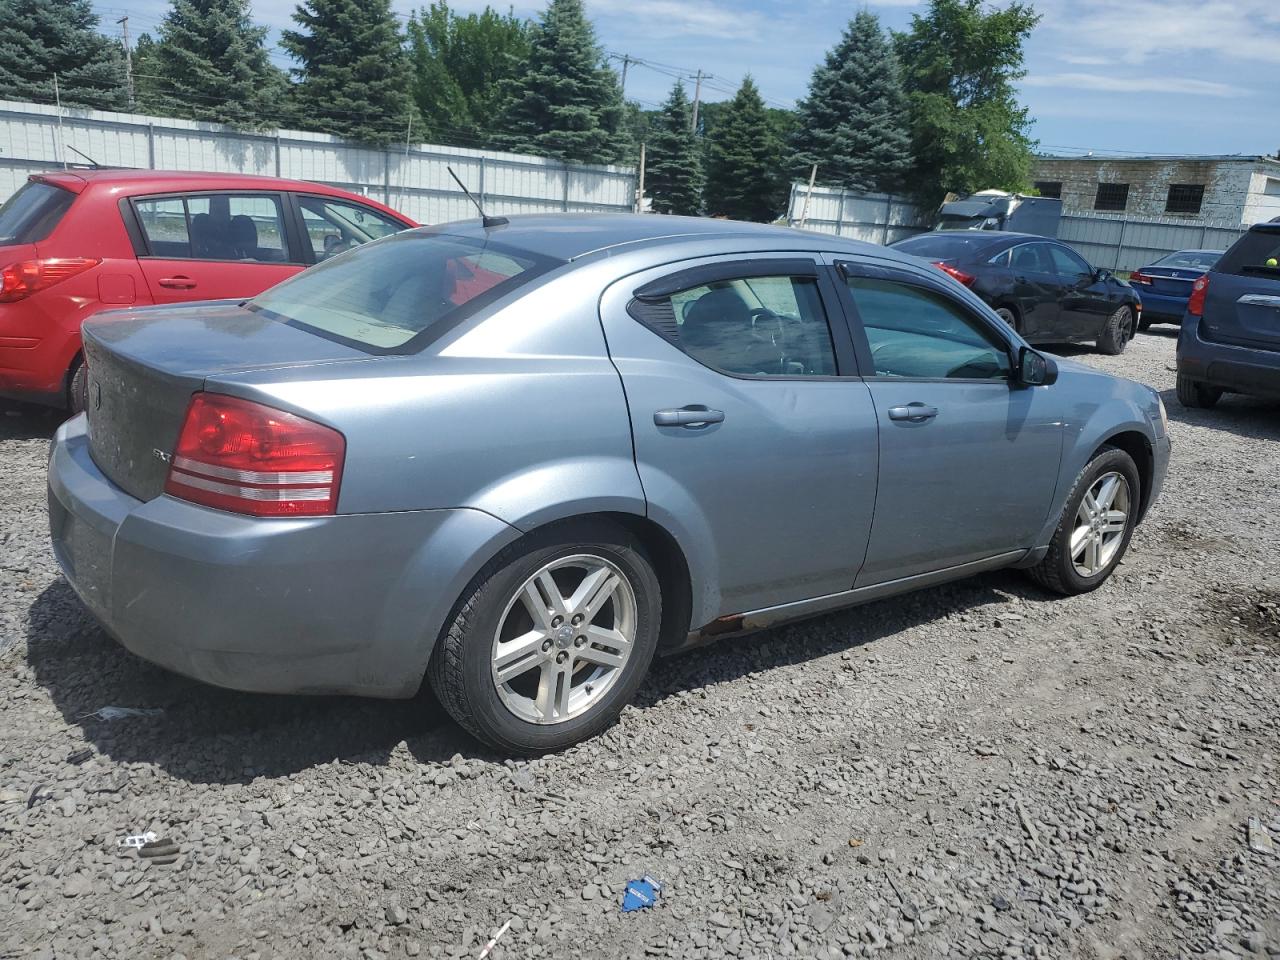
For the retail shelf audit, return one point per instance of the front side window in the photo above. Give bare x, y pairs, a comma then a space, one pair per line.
248, 227
920, 334
335, 226
383, 296
1066, 263
750, 326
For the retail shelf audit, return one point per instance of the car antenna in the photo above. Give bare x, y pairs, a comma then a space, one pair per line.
92, 162
485, 220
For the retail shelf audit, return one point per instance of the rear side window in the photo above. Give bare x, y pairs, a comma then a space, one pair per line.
918, 334
748, 326
215, 227
30, 215
388, 296
1257, 253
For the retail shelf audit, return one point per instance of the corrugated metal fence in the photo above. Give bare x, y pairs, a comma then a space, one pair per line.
873, 217
1126, 243
34, 138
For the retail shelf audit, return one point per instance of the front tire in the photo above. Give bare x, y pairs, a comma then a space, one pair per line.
1009, 317
1197, 395
1096, 525
551, 639
1116, 332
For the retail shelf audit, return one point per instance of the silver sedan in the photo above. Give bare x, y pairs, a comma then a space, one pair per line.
519, 459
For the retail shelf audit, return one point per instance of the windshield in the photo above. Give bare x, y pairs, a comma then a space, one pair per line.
31, 214
382, 296
945, 247
1190, 259
1257, 252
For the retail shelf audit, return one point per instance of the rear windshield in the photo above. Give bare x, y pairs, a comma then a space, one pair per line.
947, 246
390, 295
1257, 252
31, 214
1190, 259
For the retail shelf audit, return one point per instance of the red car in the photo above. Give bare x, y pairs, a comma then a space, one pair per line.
78, 241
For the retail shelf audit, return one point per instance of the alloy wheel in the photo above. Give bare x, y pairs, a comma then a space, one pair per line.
564, 639
1101, 521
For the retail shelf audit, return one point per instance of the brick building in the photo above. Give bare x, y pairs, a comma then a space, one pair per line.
1235, 190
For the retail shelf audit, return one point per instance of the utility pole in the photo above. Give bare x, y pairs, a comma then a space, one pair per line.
804, 211
128, 58
640, 184
697, 97
626, 62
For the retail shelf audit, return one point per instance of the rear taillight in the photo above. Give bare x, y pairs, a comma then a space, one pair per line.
1195, 303
20, 280
1139, 277
245, 457
965, 278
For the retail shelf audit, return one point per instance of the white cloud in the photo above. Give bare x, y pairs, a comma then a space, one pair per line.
664, 18
1144, 83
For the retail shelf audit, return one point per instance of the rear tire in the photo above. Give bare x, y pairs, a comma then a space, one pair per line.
1073, 564
502, 667
1116, 332
1196, 395
78, 389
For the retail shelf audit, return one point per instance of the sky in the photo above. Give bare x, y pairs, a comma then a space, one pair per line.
1145, 76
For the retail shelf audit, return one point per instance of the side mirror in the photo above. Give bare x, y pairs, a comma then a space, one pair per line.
1035, 369
1102, 274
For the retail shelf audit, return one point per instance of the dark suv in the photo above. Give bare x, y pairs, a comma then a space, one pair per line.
1230, 339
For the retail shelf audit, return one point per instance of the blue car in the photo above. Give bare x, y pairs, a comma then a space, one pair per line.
1230, 337
1165, 286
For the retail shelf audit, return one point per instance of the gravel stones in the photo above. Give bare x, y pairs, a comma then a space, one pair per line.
977, 770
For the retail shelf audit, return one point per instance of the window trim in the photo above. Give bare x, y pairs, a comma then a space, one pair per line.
666, 286
142, 243
895, 274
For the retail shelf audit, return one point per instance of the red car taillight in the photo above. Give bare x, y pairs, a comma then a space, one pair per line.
965, 278
1195, 303
20, 280
245, 457
1139, 277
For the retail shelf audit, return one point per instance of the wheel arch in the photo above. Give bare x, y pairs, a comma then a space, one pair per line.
1138, 446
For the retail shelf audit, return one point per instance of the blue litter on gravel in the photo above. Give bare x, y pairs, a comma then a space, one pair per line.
641, 894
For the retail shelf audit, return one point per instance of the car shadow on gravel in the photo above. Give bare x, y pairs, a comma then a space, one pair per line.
20, 421
1250, 417
209, 735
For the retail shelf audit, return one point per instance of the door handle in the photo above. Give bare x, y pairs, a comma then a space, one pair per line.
177, 283
913, 412
694, 415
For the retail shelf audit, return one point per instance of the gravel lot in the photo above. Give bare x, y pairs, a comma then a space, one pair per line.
974, 770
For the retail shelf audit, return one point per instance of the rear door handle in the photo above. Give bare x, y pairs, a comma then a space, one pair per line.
694, 415
177, 283
913, 412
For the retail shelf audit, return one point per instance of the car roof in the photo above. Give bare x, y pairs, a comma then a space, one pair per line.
139, 181
571, 236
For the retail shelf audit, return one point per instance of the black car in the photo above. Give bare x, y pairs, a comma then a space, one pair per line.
1042, 288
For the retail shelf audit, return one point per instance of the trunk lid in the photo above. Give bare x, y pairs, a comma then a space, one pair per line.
1242, 304
1170, 281
145, 364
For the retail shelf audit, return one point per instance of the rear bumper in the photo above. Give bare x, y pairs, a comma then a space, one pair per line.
343, 604
1162, 308
1237, 369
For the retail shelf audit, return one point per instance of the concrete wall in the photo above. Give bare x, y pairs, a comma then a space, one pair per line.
1233, 187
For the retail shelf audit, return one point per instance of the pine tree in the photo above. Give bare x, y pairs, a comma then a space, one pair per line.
745, 161
39, 38
354, 80
459, 65
566, 104
854, 124
674, 175
210, 63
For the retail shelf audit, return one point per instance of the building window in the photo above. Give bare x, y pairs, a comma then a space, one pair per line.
1184, 198
1050, 188
1111, 196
